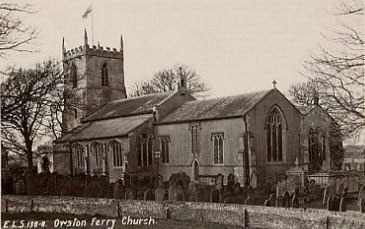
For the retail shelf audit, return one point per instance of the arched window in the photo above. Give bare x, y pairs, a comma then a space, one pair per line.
117, 154
316, 148
78, 155
218, 149
144, 148
165, 154
74, 76
275, 124
98, 153
104, 75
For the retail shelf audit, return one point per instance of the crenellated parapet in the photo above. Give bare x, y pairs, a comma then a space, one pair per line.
93, 51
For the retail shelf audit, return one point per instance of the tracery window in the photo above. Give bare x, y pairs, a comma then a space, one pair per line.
117, 154
218, 147
98, 153
78, 155
194, 129
165, 149
274, 136
144, 148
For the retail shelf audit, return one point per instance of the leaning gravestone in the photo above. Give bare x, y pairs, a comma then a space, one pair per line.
269, 201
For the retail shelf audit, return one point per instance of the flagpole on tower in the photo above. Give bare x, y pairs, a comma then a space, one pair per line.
88, 11
92, 24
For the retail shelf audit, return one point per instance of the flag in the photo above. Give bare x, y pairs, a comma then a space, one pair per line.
87, 12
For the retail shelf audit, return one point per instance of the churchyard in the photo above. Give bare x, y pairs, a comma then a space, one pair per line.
345, 192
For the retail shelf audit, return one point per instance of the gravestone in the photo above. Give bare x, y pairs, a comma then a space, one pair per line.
52, 185
149, 194
353, 185
248, 200
126, 180
180, 193
343, 204
159, 193
286, 200
361, 198
20, 186
230, 184
172, 193
295, 201
215, 196
219, 182
329, 191
281, 188
193, 192
135, 181
269, 201
333, 203
130, 194
280, 201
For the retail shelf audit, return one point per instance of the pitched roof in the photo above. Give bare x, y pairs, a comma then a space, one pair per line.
223, 107
127, 107
105, 128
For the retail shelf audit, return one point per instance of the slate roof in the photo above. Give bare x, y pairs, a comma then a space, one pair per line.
128, 107
216, 108
105, 128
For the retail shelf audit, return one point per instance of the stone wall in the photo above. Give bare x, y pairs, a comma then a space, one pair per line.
229, 214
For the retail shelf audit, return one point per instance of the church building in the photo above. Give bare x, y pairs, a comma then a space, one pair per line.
252, 138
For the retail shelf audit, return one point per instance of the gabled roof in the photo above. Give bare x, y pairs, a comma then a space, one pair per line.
224, 107
115, 127
127, 107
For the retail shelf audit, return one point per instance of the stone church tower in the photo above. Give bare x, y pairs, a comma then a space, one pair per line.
94, 76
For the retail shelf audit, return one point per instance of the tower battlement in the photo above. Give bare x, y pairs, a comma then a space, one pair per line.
94, 50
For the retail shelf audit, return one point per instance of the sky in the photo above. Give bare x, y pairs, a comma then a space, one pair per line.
236, 46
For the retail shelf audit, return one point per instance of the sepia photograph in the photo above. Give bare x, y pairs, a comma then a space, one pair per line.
182, 114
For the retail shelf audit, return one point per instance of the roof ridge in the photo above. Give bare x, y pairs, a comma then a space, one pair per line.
141, 96
230, 96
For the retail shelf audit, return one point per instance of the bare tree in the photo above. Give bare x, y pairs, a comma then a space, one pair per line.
336, 73
166, 80
32, 101
14, 34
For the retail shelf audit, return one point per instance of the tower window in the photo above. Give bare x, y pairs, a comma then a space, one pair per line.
74, 76
104, 76
75, 113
